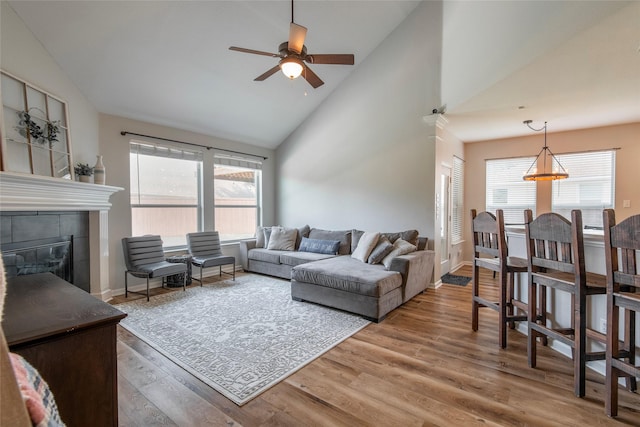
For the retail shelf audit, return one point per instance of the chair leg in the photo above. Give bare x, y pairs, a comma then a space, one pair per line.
147, 288
580, 340
220, 267
234, 270
184, 282
502, 320
475, 293
200, 275
611, 373
126, 286
531, 337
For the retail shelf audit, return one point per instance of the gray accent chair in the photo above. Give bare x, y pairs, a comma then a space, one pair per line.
144, 257
204, 247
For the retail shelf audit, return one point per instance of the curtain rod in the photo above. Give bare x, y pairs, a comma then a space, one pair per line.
124, 132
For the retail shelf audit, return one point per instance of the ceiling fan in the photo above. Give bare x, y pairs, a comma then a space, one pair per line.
293, 54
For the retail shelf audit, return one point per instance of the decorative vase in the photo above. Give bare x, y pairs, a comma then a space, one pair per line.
99, 174
84, 178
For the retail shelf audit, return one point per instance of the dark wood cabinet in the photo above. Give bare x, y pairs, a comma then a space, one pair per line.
70, 338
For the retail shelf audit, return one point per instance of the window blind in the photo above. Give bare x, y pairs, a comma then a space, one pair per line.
167, 151
590, 186
506, 190
457, 200
234, 160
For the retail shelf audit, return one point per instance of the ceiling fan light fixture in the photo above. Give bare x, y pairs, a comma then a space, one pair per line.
291, 67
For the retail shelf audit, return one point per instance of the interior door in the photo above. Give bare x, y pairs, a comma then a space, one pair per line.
445, 218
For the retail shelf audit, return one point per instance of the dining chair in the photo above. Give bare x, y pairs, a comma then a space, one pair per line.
622, 252
204, 247
491, 253
555, 258
144, 257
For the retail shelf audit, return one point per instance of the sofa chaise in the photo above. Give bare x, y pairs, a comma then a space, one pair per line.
365, 273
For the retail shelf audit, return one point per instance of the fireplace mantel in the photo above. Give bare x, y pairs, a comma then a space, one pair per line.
33, 193
21, 192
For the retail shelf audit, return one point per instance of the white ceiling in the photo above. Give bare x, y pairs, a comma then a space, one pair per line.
169, 63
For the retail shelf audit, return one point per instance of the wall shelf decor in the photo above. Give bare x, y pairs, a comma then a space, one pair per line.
35, 131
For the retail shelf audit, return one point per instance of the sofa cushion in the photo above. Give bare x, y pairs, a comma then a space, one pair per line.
343, 235
367, 242
297, 258
349, 275
283, 239
400, 247
381, 250
328, 247
266, 255
266, 232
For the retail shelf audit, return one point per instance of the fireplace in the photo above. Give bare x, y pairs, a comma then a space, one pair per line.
40, 256
36, 208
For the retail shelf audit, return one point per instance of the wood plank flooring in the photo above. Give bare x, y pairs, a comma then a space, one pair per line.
422, 366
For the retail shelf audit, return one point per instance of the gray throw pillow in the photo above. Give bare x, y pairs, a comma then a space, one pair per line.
283, 239
302, 232
382, 249
329, 247
266, 232
410, 236
400, 247
343, 235
355, 238
260, 243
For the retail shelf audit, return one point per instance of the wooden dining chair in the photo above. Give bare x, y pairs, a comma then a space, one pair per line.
491, 253
622, 251
555, 257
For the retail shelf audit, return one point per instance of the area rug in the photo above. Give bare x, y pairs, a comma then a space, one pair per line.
239, 337
452, 279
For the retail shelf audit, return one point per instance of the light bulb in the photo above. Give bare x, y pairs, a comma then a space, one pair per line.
291, 67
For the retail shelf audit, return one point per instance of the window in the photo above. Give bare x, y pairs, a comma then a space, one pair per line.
236, 197
507, 190
457, 201
590, 186
165, 192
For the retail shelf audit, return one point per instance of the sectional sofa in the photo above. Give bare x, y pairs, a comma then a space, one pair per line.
366, 273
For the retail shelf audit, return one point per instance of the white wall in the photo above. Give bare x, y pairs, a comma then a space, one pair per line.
22, 55
115, 149
365, 158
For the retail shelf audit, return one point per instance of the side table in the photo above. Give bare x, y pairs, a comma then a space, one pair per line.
175, 281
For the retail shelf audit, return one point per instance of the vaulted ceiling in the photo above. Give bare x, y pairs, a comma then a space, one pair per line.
168, 62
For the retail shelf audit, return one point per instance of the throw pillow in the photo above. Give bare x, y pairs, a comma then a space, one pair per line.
343, 235
367, 242
266, 232
329, 247
302, 232
410, 236
400, 247
355, 238
282, 239
381, 250
260, 237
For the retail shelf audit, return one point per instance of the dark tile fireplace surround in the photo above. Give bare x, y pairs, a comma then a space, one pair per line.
49, 209
20, 230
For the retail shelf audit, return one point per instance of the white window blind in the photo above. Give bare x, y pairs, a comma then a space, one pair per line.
457, 201
238, 161
590, 186
506, 190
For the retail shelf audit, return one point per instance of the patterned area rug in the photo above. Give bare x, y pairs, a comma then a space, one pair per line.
238, 337
453, 279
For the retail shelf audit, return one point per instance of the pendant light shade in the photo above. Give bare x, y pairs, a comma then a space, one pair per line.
558, 172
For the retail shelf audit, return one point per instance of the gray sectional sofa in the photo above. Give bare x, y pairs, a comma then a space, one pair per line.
371, 287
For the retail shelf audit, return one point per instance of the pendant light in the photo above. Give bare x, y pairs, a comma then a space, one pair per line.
532, 173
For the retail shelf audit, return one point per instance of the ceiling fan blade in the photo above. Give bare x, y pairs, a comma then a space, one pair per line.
256, 52
311, 77
266, 74
339, 59
297, 33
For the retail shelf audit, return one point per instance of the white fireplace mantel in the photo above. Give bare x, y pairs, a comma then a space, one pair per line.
21, 192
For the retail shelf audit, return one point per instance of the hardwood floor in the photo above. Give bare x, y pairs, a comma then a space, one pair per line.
421, 366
